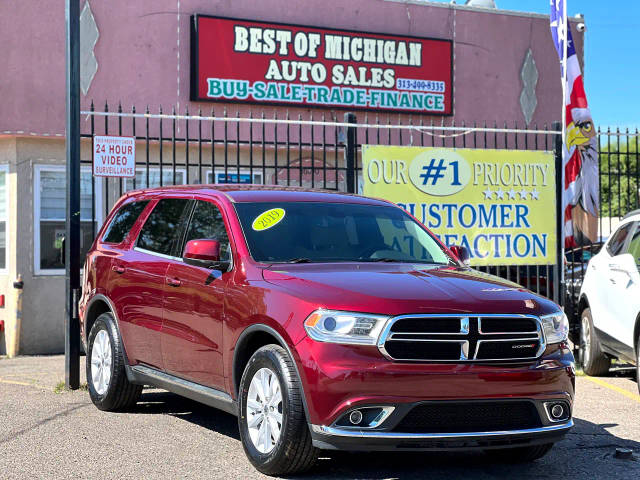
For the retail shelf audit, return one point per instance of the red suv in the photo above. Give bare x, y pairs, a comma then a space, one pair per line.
323, 321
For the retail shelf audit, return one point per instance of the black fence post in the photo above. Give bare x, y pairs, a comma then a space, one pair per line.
558, 284
350, 152
72, 240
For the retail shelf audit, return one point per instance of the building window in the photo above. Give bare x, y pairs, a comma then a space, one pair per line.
154, 178
50, 213
245, 177
4, 202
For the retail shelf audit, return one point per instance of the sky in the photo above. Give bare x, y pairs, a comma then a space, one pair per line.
612, 57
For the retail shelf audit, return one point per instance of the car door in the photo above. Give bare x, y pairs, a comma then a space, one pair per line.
603, 290
138, 282
624, 279
193, 305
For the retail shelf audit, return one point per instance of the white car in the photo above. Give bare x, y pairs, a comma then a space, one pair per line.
609, 303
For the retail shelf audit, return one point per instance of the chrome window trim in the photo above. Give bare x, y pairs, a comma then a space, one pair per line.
376, 434
386, 334
176, 259
157, 254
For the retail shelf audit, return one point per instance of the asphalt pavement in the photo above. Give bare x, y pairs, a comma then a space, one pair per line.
48, 432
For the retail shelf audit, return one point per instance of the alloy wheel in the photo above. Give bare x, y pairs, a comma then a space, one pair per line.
101, 361
264, 410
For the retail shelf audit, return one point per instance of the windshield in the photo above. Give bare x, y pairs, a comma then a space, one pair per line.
301, 232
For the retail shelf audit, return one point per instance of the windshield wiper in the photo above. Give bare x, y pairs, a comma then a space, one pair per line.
298, 260
387, 259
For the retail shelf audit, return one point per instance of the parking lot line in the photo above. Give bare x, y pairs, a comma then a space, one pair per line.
626, 393
24, 384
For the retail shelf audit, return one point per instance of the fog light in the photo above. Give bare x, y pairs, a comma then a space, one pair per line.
355, 417
557, 411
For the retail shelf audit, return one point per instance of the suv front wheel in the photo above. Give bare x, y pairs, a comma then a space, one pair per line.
638, 361
271, 418
594, 361
107, 381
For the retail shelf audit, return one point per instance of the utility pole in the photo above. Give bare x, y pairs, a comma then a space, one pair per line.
72, 237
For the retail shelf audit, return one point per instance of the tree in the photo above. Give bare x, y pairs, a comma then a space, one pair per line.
619, 174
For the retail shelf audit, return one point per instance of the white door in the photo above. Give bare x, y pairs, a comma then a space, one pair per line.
625, 279
605, 284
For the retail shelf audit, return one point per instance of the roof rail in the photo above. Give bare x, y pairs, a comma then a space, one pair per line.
631, 214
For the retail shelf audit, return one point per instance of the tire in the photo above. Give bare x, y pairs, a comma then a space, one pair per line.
292, 451
519, 454
107, 381
594, 362
638, 362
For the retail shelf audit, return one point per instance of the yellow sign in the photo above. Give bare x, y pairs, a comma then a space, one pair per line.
268, 219
500, 204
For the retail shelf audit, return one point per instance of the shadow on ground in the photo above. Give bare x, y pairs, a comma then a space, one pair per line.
586, 452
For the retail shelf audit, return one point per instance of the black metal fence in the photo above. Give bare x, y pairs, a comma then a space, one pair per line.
619, 195
321, 151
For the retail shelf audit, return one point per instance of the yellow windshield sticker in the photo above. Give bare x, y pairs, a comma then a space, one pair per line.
268, 219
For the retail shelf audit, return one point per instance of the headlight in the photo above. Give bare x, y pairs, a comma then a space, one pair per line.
344, 327
556, 327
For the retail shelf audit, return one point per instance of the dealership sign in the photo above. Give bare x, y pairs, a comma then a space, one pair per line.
500, 204
114, 156
254, 62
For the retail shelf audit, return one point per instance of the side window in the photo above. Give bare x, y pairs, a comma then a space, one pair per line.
161, 230
207, 222
122, 222
634, 245
615, 245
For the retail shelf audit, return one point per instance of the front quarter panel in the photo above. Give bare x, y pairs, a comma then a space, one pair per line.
253, 302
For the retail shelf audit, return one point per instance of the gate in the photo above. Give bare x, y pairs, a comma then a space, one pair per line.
321, 152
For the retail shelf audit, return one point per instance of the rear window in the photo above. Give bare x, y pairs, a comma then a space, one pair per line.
123, 221
162, 229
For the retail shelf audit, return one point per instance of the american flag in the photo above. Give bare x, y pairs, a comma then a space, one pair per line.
580, 200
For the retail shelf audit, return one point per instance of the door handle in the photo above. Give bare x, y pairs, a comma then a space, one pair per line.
173, 282
118, 269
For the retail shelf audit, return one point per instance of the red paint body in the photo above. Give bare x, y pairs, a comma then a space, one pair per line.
172, 316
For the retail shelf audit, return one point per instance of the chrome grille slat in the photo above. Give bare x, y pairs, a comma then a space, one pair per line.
428, 345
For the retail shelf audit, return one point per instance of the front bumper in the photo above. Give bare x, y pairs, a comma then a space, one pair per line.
338, 378
336, 438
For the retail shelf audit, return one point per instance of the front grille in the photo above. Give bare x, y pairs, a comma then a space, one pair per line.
447, 338
460, 417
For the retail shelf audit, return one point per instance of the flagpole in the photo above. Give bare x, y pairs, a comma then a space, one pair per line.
564, 142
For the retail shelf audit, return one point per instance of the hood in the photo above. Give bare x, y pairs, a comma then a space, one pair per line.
398, 288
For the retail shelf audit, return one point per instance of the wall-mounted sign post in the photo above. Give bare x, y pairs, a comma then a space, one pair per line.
114, 156
72, 240
246, 61
500, 204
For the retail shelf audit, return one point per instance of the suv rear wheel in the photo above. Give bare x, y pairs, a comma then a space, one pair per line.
520, 454
109, 388
273, 426
594, 362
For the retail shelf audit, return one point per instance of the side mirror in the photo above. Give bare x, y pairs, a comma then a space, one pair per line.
204, 253
462, 253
